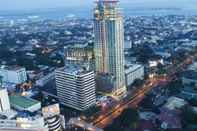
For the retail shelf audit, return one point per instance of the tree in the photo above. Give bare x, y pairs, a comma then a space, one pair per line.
175, 87
188, 116
193, 102
144, 53
128, 120
147, 102
137, 83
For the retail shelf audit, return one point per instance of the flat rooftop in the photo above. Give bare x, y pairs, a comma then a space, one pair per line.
190, 74
77, 46
190, 89
132, 67
11, 68
174, 103
74, 69
193, 66
22, 101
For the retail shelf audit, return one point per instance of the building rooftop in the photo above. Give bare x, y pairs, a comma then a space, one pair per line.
131, 67
190, 89
74, 69
175, 103
193, 66
190, 74
9, 114
22, 101
11, 68
170, 118
77, 46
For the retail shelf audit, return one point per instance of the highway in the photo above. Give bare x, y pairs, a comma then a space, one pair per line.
132, 101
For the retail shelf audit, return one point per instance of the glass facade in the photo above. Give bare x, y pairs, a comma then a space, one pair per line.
109, 40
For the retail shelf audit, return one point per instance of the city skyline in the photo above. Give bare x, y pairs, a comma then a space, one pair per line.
98, 65
30, 4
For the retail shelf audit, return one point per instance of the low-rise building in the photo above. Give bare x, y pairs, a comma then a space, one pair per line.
170, 114
24, 104
190, 78
133, 72
189, 92
174, 103
53, 118
105, 82
20, 119
78, 53
45, 79
30, 123
15, 75
193, 67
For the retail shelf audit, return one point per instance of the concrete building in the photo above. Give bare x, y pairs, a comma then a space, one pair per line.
133, 72
45, 79
77, 53
36, 123
190, 78
15, 75
4, 101
174, 103
189, 92
76, 86
109, 42
13, 120
54, 123
193, 66
105, 82
53, 118
24, 104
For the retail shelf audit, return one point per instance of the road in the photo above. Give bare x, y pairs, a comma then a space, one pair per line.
106, 118
82, 124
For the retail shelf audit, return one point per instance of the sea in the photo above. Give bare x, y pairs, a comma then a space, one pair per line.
62, 13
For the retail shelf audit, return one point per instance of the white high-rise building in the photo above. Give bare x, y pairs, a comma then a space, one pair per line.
4, 100
75, 87
14, 75
109, 42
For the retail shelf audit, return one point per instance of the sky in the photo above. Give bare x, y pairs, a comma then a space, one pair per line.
42, 4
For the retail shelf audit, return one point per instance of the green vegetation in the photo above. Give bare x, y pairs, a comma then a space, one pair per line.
175, 87
144, 53
193, 102
189, 117
137, 83
161, 71
92, 111
127, 121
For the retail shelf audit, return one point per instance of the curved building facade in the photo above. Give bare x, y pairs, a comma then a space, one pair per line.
76, 87
109, 41
54, 123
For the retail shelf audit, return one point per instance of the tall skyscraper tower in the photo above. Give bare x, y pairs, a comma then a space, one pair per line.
109, 42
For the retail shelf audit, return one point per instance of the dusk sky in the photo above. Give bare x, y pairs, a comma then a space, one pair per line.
32, 4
